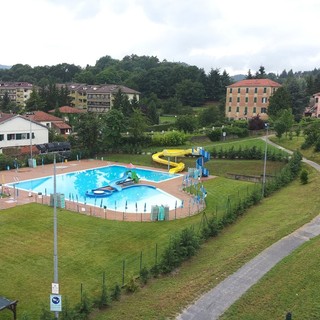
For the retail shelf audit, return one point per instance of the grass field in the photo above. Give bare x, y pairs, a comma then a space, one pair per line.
90, 246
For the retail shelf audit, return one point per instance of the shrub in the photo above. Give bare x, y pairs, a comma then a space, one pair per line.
144, 275
116, 293
131, 286
304, 176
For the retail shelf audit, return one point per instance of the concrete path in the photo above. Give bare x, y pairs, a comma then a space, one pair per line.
215, 302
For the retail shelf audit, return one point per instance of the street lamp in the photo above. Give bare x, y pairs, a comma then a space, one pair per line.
265, 160
55, 231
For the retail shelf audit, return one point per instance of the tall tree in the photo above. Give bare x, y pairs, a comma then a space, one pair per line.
280, 100
112, 125
299, 97
137, 124
89, 132
190, 93
261, 74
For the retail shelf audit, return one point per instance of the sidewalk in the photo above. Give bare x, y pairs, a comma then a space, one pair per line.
215, 302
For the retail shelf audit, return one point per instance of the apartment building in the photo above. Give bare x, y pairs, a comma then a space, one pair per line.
18, 92
97, 98
248, 98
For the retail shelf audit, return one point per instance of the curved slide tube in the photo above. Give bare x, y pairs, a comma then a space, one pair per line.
177, 167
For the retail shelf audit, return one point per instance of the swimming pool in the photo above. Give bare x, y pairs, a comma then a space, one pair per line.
136, 198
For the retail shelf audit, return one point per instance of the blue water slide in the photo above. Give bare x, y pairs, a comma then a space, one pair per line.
204, 157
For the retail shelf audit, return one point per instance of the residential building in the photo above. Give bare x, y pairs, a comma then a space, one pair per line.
69, 114
50, 121
248, 98
97, 98
313, 110
18, 92
17, 131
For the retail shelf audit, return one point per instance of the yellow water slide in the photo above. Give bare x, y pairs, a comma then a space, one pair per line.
170, 153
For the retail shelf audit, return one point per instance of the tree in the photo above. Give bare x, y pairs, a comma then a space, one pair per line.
209, 116
112, 125
249, 75
34, 102
89, 132
284, 122
137, 124
299, 97
190, 93
280, 100
186, 123
261, 74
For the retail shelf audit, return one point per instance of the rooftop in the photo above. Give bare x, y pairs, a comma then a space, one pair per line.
255, 83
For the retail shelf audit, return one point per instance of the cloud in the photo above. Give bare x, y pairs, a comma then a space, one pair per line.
232, 35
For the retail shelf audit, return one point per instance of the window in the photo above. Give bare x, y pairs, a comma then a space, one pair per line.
238, 99
238, 90
317, 99
254, 110
264, 100
230, 99
247, 99
237, 109
247, 90
255, 99
245, 110
230, 90
1, 137
264, 90
10, 136
255, 90
263, 110
229, 109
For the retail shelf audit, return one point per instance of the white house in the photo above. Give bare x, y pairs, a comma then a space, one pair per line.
15, 131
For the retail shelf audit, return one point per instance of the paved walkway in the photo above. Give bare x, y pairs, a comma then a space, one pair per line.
215, 302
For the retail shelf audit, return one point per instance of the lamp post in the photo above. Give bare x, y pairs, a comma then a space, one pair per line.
265, 160
55, 229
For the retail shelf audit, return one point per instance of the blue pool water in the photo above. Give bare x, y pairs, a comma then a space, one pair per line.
137, 198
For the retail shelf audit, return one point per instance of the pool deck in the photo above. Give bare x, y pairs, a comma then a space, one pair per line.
173, 187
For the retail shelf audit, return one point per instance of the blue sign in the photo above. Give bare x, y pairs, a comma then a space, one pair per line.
55, 302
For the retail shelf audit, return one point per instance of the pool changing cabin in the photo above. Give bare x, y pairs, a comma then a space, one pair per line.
159, 213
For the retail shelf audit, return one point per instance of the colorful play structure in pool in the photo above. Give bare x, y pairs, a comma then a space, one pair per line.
175, 167
127, 179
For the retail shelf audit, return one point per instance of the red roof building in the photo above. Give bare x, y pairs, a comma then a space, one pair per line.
248, 98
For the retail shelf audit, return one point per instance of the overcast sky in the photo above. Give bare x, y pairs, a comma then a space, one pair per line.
230, 35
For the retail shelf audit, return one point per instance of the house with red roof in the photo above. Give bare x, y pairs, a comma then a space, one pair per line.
50, 121
69, 114
248, 98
